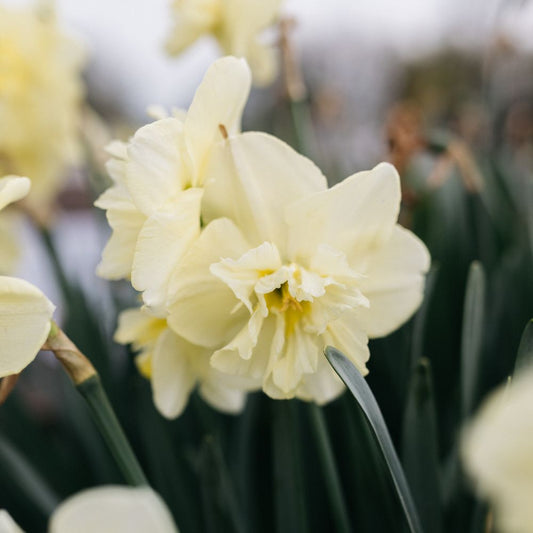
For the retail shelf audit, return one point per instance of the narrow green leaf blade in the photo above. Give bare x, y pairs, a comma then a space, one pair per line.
472, 336
524, 357
362, 393
420, 447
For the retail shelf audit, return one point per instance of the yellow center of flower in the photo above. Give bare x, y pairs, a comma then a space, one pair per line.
14, 70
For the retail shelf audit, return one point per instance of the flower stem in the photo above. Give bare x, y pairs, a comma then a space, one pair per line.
87, 381
94, 394
329, 468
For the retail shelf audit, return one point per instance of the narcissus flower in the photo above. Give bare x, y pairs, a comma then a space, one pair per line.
174, 366
236, 24
498, 454
159, 178
286, 266
40, 94
25, 312
110, 509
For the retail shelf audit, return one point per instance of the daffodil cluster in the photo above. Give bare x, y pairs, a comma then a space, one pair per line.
40, 93
247, 263
237, 26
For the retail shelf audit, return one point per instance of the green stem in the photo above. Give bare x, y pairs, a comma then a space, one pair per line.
329, 468
93, 392
59, 272
21, 473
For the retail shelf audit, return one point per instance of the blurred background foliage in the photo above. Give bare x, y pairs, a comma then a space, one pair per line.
457, 122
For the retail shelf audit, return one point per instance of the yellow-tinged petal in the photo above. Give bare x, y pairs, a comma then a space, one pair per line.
163, 240
12, 189
155, 169
203, 309
219, 100
173, 378
113, 509
497, 453
254, 177
25, 315
7, 524
393, 283
354, 216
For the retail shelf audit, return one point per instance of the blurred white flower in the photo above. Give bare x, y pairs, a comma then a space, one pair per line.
286, 266
25, 312
108, 509
40, 96
236, 24
159, 175
498, 454
174, 366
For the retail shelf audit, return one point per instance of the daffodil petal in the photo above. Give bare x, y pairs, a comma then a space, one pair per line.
353, 216
202, 308
113, 509
255, 177
162, 242
7, 524
155, 171
394, 285
12, 189
219, 101
173, 379
25, 315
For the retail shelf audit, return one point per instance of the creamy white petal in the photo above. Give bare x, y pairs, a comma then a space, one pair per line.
254, 177
162, 242
241, 275
25, 315
12, 189
156, 171
223, 392
394, 282
350, 338
137, 326
126, 222
113, 509
354, 216
202, 308
173, 378
219, 100
7, 524
322, 386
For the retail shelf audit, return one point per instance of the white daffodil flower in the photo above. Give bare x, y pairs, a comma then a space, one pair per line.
498, 454
287, 266
110, 509
25, 312
236, 24
40, 95
175, 367
159, 175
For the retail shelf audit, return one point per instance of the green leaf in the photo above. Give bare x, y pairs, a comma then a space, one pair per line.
329, 467
289, 497
472, 337
524, 356
419, 323
362, 393
20, 474
420, 447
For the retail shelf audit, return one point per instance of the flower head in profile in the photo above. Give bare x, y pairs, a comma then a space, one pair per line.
498, 454
236, 24
40, 94
25, 312
113, 509
159, 178
286, 266
174, 366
